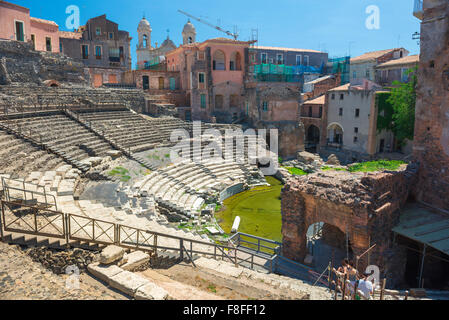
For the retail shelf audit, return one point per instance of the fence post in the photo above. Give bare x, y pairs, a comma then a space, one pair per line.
1, 220
155, 245
65, 227
181, 248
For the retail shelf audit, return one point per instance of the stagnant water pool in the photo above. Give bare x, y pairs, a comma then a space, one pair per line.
259, 210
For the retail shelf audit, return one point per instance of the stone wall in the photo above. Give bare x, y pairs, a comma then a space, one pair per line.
431, 143
21, 64
364, 205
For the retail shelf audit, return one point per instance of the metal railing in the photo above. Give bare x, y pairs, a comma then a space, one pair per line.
27, 195
257, 244
28, 219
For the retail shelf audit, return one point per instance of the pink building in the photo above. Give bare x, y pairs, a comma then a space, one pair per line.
212, 74
17, 24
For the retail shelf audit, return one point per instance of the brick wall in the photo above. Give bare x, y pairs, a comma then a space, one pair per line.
431, 144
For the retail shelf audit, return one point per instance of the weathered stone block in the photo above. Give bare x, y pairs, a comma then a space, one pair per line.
111, 254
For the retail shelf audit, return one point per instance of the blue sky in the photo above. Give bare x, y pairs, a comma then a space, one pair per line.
334, 26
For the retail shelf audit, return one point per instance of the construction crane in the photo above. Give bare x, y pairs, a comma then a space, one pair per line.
235, 35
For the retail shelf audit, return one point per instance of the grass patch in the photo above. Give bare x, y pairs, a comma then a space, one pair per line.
325, 168
295, 171
212, 288
370, 166
120, 172
379, 165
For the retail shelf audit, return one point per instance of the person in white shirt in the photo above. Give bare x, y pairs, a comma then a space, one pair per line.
365, 286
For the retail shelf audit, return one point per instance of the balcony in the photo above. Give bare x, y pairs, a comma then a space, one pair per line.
418, 9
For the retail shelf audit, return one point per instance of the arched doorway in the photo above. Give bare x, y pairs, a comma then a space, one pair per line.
335, 134
327, 243
312, 138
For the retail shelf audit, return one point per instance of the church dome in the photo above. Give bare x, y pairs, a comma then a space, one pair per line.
144, 24
168, 42
189, 28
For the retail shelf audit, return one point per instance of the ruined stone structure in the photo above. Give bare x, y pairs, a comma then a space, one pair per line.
19, 63
362, 206
431, 145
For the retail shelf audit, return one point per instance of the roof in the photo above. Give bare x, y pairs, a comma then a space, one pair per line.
344, 87
402, 61
44, 21
425, 225
70, 35
320, 100
286, 49
373, 55
320, 79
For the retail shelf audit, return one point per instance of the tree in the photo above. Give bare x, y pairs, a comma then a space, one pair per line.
403, 100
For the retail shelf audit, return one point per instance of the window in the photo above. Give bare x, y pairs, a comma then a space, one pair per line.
280, 58
265, 106
111, 35
48, 44
146, 82
264, 58
306, 60
333, 96
368, 74
20, 34
340, 112
114, 54
85, 51
298, 60
219, 62
201, 55
321, 112
357, 113
98, 52
356, 139
404, 75
98, 31
33, 39
356, 130
60, 46
310, 112
203, 101
121, 52
201, 80
354, 75
342, 96
236, 62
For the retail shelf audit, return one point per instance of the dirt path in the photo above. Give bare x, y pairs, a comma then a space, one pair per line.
23, 279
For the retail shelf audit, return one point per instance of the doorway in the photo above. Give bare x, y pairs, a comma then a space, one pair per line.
146, 82
20, 34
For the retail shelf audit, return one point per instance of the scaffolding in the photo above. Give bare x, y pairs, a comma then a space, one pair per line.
342, 66
149, 65
283, 73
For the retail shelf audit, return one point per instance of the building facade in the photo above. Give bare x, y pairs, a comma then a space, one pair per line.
147, 54
16, 24
102, 47
212, 75
363, 67
351, 132
396, 70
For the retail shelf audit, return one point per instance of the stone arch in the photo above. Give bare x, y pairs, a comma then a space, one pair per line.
235, 62
313, 134
52, 83
145, 40
219, 60
335, 133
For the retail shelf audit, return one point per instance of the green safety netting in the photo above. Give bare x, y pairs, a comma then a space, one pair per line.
283, 73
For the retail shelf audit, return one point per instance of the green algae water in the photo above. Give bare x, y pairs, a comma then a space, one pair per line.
259, 210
